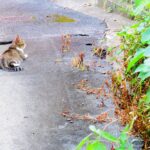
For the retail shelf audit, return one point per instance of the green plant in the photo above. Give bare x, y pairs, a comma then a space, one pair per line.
94, 140
134, 88
141, 7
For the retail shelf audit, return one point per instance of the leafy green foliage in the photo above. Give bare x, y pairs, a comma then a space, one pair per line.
146, 36
96, 145
143, 69
83, 142
93, 141
136, 40
147, 99
135, 45
141, 6
103, 134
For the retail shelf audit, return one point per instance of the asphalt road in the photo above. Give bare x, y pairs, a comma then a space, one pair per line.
31, 101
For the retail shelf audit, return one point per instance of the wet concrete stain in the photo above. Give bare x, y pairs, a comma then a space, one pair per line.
89, 44
80, 34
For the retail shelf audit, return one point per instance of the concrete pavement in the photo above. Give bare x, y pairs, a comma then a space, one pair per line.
31, 101
28, 18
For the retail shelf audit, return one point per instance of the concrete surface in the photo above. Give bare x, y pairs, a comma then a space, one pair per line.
31, 101
28, 18
115, 22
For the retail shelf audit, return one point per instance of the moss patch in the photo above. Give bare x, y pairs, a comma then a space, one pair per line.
60, 18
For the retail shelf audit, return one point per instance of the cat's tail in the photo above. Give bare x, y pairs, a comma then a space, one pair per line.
5, 42
12, 66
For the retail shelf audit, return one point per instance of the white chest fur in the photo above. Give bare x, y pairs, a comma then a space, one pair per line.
20, 49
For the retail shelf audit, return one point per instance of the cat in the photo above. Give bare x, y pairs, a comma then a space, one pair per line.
11, 58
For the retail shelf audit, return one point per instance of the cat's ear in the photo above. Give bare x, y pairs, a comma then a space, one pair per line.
17, 39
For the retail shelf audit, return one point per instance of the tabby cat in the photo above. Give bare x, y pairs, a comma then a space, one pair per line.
11, 58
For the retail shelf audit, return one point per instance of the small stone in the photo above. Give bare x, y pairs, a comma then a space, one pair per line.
68, 119
138, 143
71, 121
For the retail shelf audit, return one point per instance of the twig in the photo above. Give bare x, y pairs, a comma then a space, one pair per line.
109, 124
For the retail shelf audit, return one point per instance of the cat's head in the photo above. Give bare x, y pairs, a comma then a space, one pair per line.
19, 42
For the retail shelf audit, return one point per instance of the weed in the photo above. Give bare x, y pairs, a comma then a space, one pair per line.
94, 140
131, 84
78, 62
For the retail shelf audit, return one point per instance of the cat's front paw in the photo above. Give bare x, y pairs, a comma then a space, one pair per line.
26, 56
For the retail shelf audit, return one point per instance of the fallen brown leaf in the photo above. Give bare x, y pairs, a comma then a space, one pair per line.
73, 116
102, 117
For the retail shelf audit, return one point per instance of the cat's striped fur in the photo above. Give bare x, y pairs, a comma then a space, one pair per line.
11, 58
